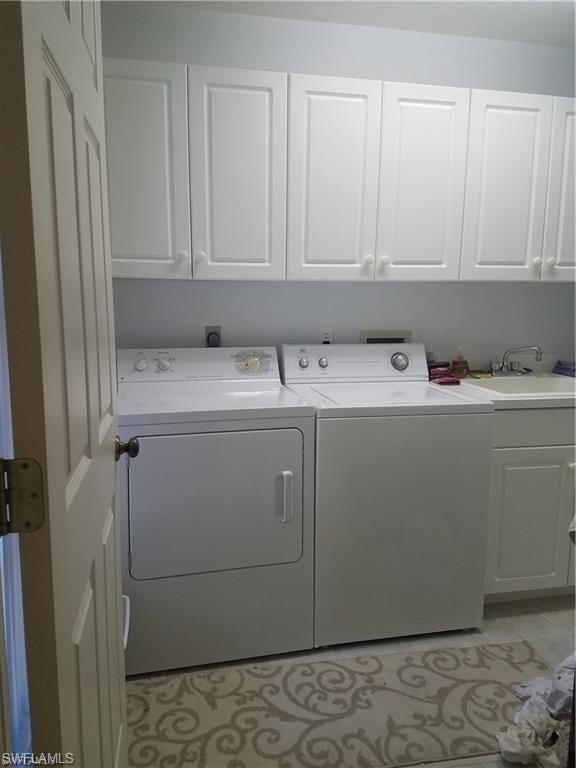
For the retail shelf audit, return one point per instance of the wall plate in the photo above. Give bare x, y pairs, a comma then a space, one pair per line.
385, 336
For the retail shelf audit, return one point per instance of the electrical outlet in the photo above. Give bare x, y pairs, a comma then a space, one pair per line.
326, 335
213, 335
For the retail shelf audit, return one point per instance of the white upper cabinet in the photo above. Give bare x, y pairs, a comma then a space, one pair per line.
506, 186
238, 173
559, 261
309, 177
147, 150
333, 162
422, 176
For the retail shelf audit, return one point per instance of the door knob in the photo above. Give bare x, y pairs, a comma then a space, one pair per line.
131, 447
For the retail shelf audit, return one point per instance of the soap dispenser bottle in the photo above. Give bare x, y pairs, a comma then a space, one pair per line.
460, 367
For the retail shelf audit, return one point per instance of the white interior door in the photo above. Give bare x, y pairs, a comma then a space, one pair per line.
559, 246
422, 174
333, 154
238, 173
505, 199
56, 265
5, 720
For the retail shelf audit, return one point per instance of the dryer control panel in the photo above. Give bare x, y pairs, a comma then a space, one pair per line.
203, 364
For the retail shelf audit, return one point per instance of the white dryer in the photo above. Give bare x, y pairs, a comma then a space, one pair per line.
217, 507
402, 475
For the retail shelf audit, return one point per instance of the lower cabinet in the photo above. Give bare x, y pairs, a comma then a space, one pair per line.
532, 504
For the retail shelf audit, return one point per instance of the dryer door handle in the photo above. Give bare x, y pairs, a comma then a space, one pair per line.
287, 496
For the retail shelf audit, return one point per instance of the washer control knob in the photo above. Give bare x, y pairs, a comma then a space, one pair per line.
323, 362
163, 364
252, 363
303, 362
399, 361
141, 364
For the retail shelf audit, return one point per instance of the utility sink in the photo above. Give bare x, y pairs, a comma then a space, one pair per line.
529, 385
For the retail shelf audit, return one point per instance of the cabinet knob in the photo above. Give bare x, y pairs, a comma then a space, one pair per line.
369, 260
551, 261
572, 467
537, 261
201, 257
384, 261
182, 256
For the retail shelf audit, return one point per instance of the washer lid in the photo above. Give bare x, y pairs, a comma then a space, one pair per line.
387, 398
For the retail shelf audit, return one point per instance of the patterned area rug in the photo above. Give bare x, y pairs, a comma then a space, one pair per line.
364, 712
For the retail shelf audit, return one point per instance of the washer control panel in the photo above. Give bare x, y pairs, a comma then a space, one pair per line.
221, 363
354, 362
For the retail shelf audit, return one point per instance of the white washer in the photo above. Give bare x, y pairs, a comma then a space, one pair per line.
402, 474
217, 507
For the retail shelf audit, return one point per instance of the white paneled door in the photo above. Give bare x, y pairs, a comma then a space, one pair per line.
238, 173
506, 186
147, 150
531, 508
559, 261
422, 175
333, 157
56, 262
5, 719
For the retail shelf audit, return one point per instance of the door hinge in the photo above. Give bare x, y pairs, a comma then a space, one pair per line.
21, 496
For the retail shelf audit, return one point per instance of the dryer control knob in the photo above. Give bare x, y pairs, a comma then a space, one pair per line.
303, 362
251, 363
323, 362
141, 364
400, 361
163, 364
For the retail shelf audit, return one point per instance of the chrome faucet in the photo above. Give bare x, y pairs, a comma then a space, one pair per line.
512, 367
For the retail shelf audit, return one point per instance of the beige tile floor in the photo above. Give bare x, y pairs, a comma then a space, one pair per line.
548, 624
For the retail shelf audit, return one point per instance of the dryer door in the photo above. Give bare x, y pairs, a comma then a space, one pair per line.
215, 502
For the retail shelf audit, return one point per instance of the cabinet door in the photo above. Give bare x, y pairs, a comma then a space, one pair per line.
506, 186
238, 173
333, 177
147, 149
559, 247
422, 175
532, 504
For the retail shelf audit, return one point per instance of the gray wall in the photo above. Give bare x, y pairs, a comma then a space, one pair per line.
164, 33
484, 317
